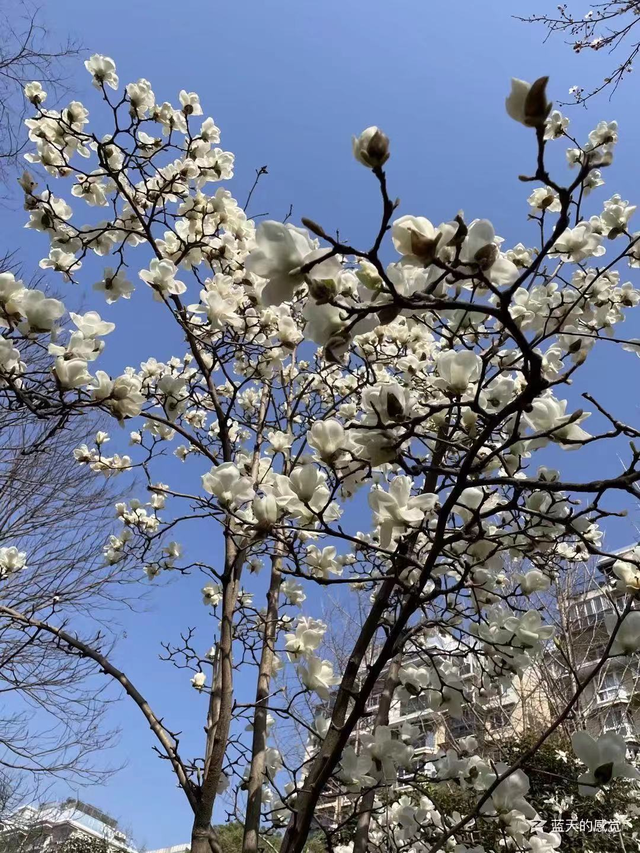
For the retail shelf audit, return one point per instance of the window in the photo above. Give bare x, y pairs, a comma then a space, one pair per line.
610, 687
426, 739
589, 609
617, 719
463, 727
414, 704
498, 719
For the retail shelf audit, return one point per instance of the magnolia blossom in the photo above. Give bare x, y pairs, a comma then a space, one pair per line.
354, 770
388, 750
578, 244
415, 235
308, 636
458, 369
228, 485
532, 581
114, 286
328, 438
545, 198
527, 102
39, 311
35, 93
371, 148
317, 676
103, 71
11, 560
480, 249
91, 325
605, 759
199, 681
627, 570
627, 638
528, 629
509, 795
397, 509
281, 251
212, 594
547, 416
161, 277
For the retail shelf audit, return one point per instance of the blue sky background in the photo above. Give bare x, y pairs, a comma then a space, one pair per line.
289, 82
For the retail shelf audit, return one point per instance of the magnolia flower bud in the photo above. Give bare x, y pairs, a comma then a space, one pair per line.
527, 102
371, 148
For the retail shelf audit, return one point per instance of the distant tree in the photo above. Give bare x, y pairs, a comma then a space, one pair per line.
553, 792
610, 26
81, 843
27, 52
51, 720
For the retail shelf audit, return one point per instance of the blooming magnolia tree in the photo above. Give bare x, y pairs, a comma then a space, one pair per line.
311, 375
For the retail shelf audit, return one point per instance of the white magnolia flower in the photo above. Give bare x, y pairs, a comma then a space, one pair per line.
577, 244
354, 772
35, 93
40, 312
371, 148
91, 325
103, 71
317, 675
528, 629
605, 758
161, 277
544, 198
328, 438
389, 750
281, 251
527, 102
212, 594
293, 592
190, 103
616, 215
509, 794
532, 581
458, 369
266, 510
323, 563
481, 251
199, 680
114, 285
555, 125
627, 639
228, 485
121, 395
72, 372
397, 509
627, 569
62, 262
11, 291
308, 636
9, 356
11, 560
547, 416
416, 235
141, 96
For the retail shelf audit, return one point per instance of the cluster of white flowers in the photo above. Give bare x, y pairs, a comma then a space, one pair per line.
313, 371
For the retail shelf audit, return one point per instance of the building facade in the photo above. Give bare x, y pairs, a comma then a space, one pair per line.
48, 827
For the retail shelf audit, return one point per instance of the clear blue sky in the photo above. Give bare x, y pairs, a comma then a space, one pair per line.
289, 82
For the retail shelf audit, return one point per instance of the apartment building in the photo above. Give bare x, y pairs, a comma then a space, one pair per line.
610, 702
37, 828
611, 699
520, 706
